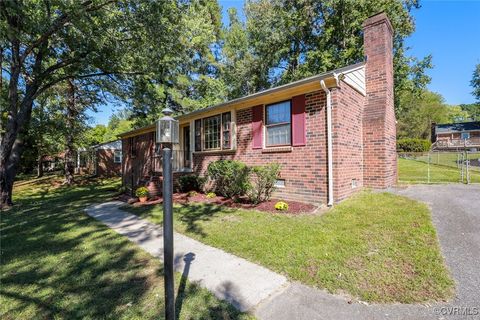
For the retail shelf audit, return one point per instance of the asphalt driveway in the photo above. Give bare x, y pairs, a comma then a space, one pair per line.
456, 215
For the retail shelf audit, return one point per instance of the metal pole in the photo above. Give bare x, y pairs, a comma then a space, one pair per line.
428, 168
168, 233
468, 167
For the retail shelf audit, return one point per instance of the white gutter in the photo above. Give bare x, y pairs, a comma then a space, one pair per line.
329, 143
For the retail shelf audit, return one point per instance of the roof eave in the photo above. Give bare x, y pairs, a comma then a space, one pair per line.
317, 78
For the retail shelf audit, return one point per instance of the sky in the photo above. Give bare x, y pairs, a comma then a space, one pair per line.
448, 30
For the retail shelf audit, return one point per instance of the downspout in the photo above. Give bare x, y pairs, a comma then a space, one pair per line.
329, 143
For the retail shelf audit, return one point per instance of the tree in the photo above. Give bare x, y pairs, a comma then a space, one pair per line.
475, 83
118, 123
238, 63
94, 135
296, 39
473, 111
77, 100
44, 43
187, 78
46, 129
421, 111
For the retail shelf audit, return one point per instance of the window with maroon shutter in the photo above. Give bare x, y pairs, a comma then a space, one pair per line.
278, 124
299, 137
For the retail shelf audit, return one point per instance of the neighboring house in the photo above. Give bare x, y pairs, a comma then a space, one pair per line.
104, 159
332, 133
454, 136
52, 163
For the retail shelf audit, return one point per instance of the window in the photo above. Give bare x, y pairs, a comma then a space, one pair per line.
278, 124
465, 135
198, 135
117, 156
226, 129
214, 133
280, 183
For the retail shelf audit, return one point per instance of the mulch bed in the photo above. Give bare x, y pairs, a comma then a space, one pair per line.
294, 207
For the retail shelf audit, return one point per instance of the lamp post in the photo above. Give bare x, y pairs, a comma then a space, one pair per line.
167, 135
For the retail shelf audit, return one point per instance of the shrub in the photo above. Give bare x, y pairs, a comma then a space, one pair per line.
191, 182
141, 192
192, 193
263, 182
281, 206
211, 195
230, 177
413, 145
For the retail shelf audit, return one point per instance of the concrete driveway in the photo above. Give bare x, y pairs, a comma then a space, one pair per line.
456, 215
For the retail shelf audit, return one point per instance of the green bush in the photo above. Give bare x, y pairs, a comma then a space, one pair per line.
141, 192
413, 145
192, 193
263, 182
229, 177
191, 182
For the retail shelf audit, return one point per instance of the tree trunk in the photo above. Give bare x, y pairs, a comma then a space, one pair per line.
11, 149
9, 172
69, 139
40, 166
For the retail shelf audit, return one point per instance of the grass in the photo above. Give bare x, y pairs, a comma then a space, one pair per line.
378, 247
56, 262
412, 171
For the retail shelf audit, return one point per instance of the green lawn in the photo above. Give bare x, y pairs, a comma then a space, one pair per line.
412, 171
450, 159
58, 263
376, 246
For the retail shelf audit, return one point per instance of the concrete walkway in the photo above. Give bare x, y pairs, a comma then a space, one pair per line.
242, 283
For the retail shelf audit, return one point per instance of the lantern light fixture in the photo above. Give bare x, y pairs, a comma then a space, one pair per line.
167, 128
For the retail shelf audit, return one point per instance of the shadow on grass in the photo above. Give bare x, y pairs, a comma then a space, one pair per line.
193, 215
59, 263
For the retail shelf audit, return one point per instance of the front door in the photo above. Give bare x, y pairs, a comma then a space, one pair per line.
186, 147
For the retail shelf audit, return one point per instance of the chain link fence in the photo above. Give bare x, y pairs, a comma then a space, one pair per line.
439, 167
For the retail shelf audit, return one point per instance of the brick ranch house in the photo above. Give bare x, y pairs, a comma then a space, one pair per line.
104, 159
332, 133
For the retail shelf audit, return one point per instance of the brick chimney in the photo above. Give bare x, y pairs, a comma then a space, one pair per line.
379, 124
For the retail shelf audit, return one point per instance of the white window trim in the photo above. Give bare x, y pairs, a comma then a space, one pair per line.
264, 127
233, 134
115, 157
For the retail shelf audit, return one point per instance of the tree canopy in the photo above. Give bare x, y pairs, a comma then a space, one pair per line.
475, 83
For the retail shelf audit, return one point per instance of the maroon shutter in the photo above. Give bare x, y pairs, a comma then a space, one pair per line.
299, 130
257, 121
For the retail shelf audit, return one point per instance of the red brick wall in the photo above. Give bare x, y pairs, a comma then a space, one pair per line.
379, 128
303, 168
347, 119
138, 168
106, 165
